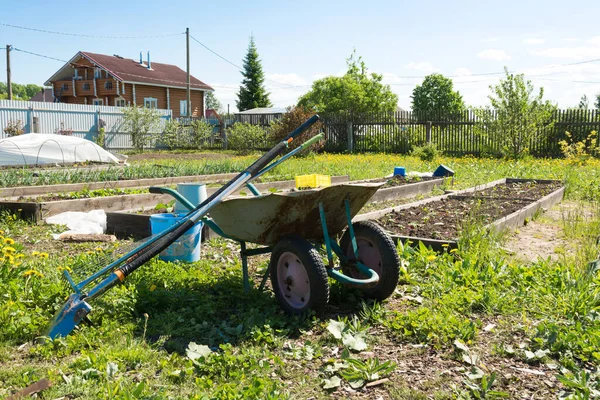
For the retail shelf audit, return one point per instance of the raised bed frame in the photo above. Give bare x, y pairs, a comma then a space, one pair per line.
513, 220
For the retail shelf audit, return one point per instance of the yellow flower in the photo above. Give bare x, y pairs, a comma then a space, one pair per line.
20, 255
90, 252
43, 255
445, 245
9, 249
33, 272
99, 249
1, 232
453, 250
152, 288
60, 269
431, 258
35, 253
9, 241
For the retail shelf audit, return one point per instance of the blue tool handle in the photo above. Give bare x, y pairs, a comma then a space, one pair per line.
307, 124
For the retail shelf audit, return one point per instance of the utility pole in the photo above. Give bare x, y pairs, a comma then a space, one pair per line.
8, 79
187, 51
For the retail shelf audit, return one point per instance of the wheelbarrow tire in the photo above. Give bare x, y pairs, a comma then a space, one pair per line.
298, 276
376, 250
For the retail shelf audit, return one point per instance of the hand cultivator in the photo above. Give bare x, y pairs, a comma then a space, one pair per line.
289, 226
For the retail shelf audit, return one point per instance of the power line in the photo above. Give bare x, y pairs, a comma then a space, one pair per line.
234, 64
38, 55
87, 36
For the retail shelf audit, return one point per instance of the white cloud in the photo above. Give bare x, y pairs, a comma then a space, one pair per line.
425, 66
286, 79
534, 41
570, 39
489, 40
462, 72
579, 52
595, 41
493, 54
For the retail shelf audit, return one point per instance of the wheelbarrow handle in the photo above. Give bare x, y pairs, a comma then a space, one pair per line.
305, 125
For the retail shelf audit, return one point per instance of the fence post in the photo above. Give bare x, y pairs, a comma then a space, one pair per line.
428, 132
30, 120
350, 134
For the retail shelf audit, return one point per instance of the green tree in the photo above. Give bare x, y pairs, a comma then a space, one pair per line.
597, 103
583, 103
212, 103
252, 92
20, 92
436, 97
519, 114
357, 92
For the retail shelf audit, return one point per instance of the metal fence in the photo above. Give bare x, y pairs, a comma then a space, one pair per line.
79, 120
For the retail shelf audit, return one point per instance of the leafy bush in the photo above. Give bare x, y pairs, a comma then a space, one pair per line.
14, 128
141, 123
582, 151
244, 136
101, 138
292, 119
172, 135
201, 131
427, 152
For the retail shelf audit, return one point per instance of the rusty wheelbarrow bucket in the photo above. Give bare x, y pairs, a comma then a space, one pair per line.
267, 218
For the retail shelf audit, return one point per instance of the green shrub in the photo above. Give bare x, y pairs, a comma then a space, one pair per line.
201, 131
101, 138
427, 152
244, 136
141, 123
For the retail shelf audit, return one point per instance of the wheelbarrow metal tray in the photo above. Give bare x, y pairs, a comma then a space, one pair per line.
265, 219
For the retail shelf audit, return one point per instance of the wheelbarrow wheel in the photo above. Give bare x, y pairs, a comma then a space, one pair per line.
298, 276
377, 251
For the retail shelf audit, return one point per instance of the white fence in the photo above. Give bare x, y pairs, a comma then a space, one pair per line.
83, 120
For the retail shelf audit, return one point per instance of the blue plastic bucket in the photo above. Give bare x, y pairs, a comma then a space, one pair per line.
187, 247
194, 192
401, 171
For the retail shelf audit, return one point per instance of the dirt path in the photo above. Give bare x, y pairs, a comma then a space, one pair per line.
541, 238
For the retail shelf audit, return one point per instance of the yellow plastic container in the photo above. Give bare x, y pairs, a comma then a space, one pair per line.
313, 181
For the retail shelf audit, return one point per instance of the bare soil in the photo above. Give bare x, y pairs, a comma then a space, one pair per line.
403, 180
443, 219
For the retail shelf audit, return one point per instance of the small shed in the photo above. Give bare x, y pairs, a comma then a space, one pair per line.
260, 116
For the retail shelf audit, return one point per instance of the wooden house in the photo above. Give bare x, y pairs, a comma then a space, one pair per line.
98, 79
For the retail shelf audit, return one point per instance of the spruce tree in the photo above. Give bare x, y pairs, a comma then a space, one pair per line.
252, 92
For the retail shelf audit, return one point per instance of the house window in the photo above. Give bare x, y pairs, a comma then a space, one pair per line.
98, 102
150, 102
183, 111
108, 85
65, 86
97, 73
86, 87
120, 102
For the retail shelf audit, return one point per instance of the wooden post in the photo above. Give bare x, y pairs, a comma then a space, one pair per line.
187, 51
350, 135
428, 131
8, 78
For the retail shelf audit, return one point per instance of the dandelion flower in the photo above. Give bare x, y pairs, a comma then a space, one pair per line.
9, 241
453, 250
152, 288
43, 255
33, 272
431, 258
35, 253
9, 249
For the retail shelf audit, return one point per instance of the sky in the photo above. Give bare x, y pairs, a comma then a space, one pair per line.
550, 42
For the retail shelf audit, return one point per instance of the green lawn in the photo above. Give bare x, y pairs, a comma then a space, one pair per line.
456, 320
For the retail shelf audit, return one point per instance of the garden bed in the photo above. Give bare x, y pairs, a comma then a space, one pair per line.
438, 221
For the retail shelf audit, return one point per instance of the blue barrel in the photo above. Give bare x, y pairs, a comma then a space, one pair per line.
187, 247
401, 171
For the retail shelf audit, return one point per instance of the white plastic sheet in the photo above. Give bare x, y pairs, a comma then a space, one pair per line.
92, 222
39, 149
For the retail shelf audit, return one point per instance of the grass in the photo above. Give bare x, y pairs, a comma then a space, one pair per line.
466, 322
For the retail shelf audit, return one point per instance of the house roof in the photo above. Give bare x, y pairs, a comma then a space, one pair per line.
44, 95
266, 110
129, 70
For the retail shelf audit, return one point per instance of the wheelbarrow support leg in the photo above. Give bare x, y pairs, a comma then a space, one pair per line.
326, 235
244, 257
351, 228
